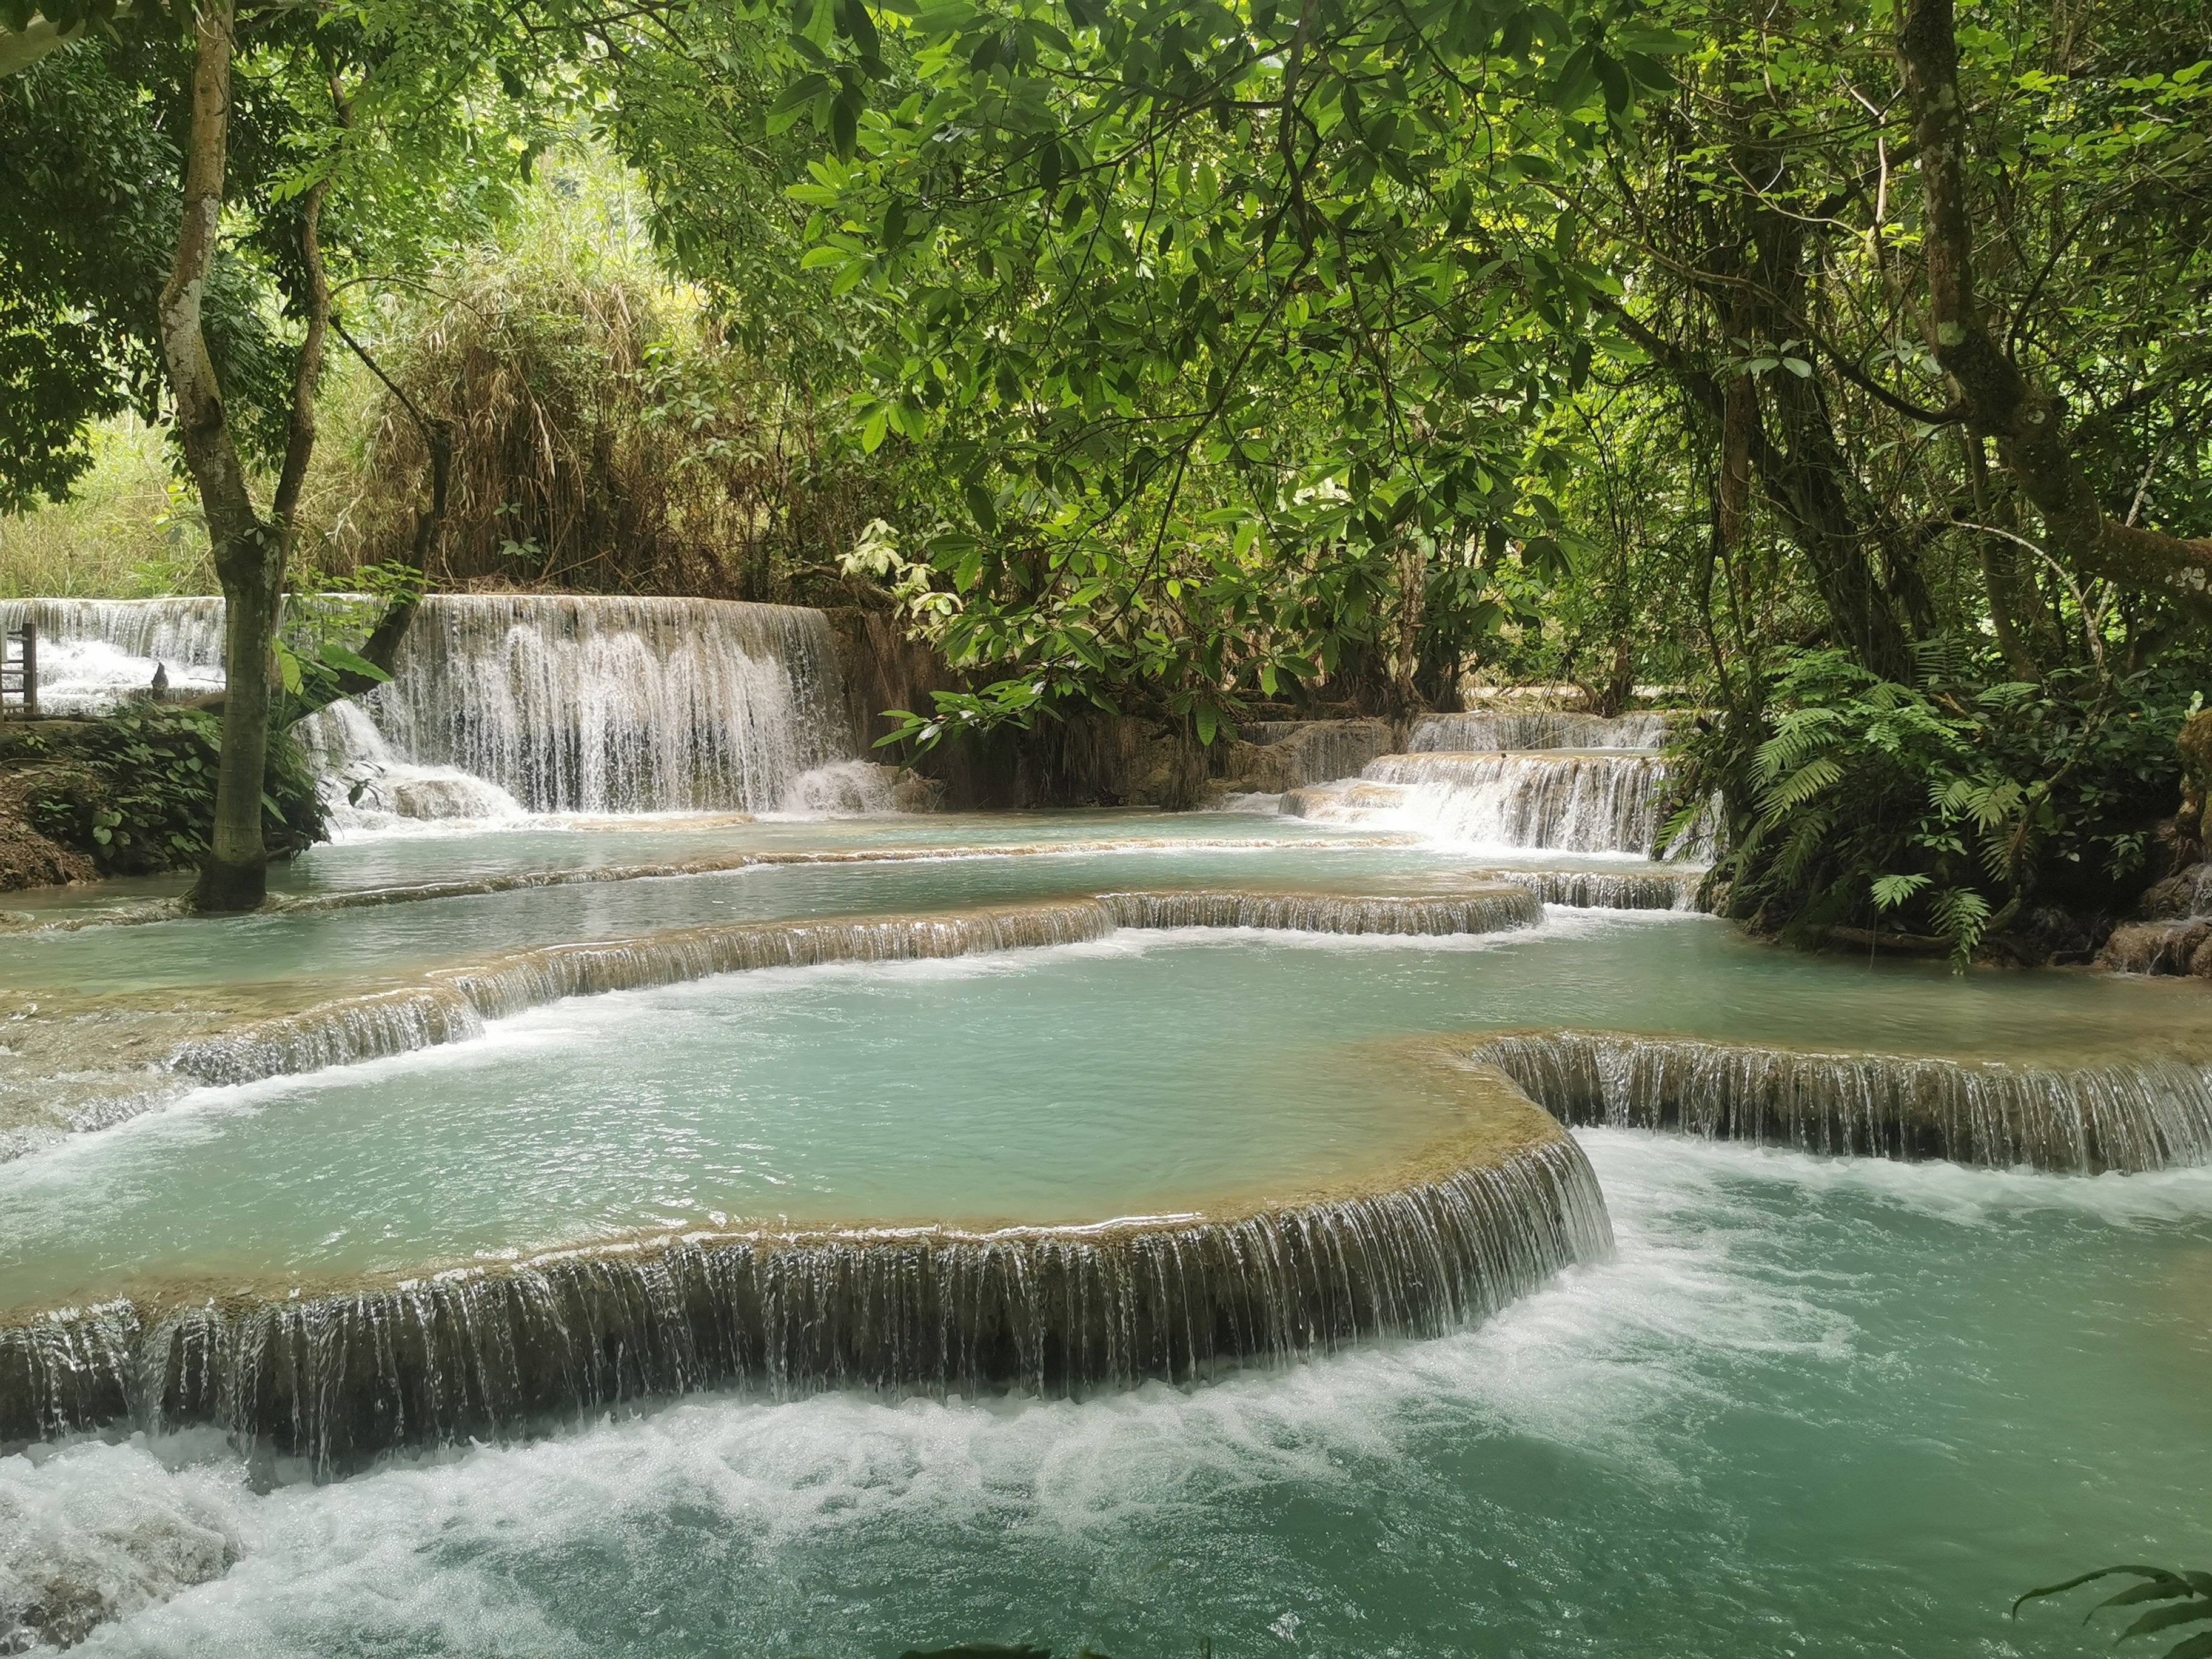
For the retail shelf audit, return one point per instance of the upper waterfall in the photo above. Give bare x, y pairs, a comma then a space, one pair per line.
560, 702
618, 705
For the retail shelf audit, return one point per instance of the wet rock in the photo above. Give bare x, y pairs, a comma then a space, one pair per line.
2156, 947
914, 792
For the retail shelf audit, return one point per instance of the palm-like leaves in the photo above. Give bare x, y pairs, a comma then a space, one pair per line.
2189, 1597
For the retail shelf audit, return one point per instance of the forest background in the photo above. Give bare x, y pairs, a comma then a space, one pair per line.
1841, 368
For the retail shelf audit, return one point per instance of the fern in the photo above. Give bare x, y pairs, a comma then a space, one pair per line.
1961, 915
1806, 783
1890, 891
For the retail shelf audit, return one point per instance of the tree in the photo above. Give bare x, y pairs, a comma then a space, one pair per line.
381, 121
1229, 327
2037, 436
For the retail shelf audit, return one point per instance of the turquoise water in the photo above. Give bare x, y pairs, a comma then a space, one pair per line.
334, 948
1147, 1072
1816, 1408
461, 850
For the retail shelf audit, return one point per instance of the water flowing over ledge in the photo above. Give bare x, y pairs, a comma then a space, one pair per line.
1541, 728
94, 652
336, 1376
543, 703
1605, 890
452, 1006
1559, 800
2127, 1114
602, 704
174, 910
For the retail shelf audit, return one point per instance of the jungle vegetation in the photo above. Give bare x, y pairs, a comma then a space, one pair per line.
1839, 365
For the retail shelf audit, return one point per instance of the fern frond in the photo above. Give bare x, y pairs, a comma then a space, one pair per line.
1890, 891
1806, 783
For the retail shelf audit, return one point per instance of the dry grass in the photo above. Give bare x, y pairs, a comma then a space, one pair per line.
127, 530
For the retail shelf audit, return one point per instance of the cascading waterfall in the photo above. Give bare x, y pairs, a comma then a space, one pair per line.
2135, 1114
336, 1376
537, 702
1540, 728
1561, 801
1490, 912
617, 705
452, 1006
95, 653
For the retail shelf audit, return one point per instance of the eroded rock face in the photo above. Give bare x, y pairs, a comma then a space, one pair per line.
2174, 932
915, 794
2183, 946
29, 859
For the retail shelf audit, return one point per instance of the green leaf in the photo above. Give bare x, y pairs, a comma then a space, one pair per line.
1890, 891
982, 507
346, 661
2195, 1610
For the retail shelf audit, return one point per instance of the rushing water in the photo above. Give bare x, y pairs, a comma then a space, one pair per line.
1814, 1406
1540, 728
505, 703
837, 1238
1559, 800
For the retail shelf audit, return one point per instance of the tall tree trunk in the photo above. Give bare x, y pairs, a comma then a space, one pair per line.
249, 551
2028, 420
2015, 607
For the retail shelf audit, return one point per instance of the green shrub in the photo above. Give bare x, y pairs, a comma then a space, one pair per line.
137, 791
1948, 806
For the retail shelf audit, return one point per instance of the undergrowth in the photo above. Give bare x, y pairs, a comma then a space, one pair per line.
1949, 808
136, 792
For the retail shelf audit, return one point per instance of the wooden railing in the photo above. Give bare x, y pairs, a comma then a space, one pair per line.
19, 672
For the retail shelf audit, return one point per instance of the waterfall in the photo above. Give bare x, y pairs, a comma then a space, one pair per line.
453, 1003
335, 1377
1561, 801
537, 702
94, 653
2134, 1114
1490, 912
1540, 728
617, 705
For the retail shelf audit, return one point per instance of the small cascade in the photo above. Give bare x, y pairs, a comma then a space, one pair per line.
1604, 889
1540, 728
368, 785
336, 1376
1561, 801
94, 654
844, 789
2135, 1114
454, 1002
1483, 911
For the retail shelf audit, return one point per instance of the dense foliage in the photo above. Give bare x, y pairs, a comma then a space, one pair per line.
1847, 379
609, 432
136, 792
1978, 803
